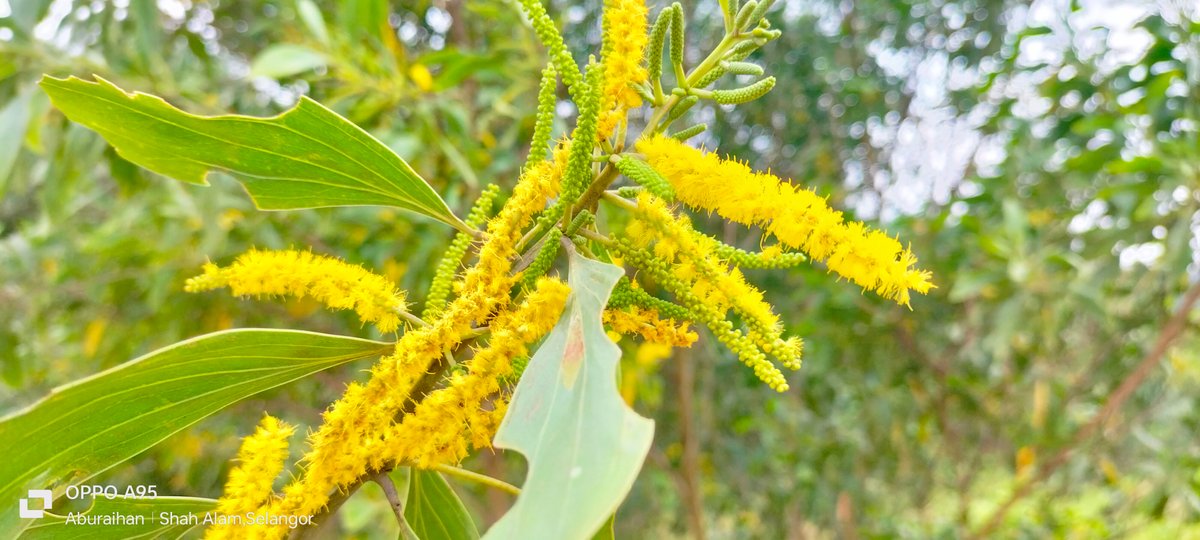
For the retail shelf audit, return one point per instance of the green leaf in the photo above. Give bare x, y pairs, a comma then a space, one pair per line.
307, 157
584, 445
434, 511
90, 425
15, 117
285, 60
183, 510
310, 15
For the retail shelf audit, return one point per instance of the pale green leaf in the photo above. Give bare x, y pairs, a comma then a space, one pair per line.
434, 511
90, 425
15, 119
584, 445
186, 514
310, 15
285, 60
307, 157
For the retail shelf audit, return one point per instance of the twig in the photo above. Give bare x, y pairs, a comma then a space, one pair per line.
1171, 330
389, 491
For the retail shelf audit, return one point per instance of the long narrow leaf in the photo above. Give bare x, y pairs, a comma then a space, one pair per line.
307, 157
90, 425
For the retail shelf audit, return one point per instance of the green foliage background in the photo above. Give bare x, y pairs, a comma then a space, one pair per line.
1042, 160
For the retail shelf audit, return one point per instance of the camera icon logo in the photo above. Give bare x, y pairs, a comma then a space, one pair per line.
44, 494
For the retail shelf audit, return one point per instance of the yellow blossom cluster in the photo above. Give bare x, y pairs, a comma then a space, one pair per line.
686, 264
249, 486
798, 217
625, 39
646, 323
358, 428
433, 432
299, 274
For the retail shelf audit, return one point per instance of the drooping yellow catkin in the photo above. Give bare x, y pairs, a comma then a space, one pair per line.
691, 270
357, 429
646, 323
261, 459
335, 283
625, 36
445, 423
798, 217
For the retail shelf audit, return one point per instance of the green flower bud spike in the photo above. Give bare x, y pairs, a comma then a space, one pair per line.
677, 42
654, 50
744, 94
543, 260
544, 126
681, 108
743, 68
743, 14
685, 134
757, 14
447, 268
578, 172
644, 175
547, 32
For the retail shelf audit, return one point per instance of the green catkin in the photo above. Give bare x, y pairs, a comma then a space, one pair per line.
682, 107
758, 13
582, 219
748, 259
731, 9
578, 172
654, 50
744, 94
713, 74
629, 192
687, 133
741, 344
543, 260
644, 175
743, 68
625, 295
677, 42
547, 32
742, 50
447, 268
543, 127
743, 14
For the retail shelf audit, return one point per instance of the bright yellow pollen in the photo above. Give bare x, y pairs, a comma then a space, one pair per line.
625, 38
358, 433
648, 324
299, 274
449, 420
798, 217
249, 486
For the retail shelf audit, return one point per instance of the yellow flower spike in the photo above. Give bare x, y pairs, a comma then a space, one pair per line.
626, 34
798, 217
647, 324
249, 486
356, 429
299, 274
447, 422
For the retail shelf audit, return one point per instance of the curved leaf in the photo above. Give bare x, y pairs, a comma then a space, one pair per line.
434, 511
56, 526
584, 445
87, 426
307, 157
285, 60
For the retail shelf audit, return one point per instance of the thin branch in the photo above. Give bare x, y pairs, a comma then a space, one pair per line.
1171, 330
389, 491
